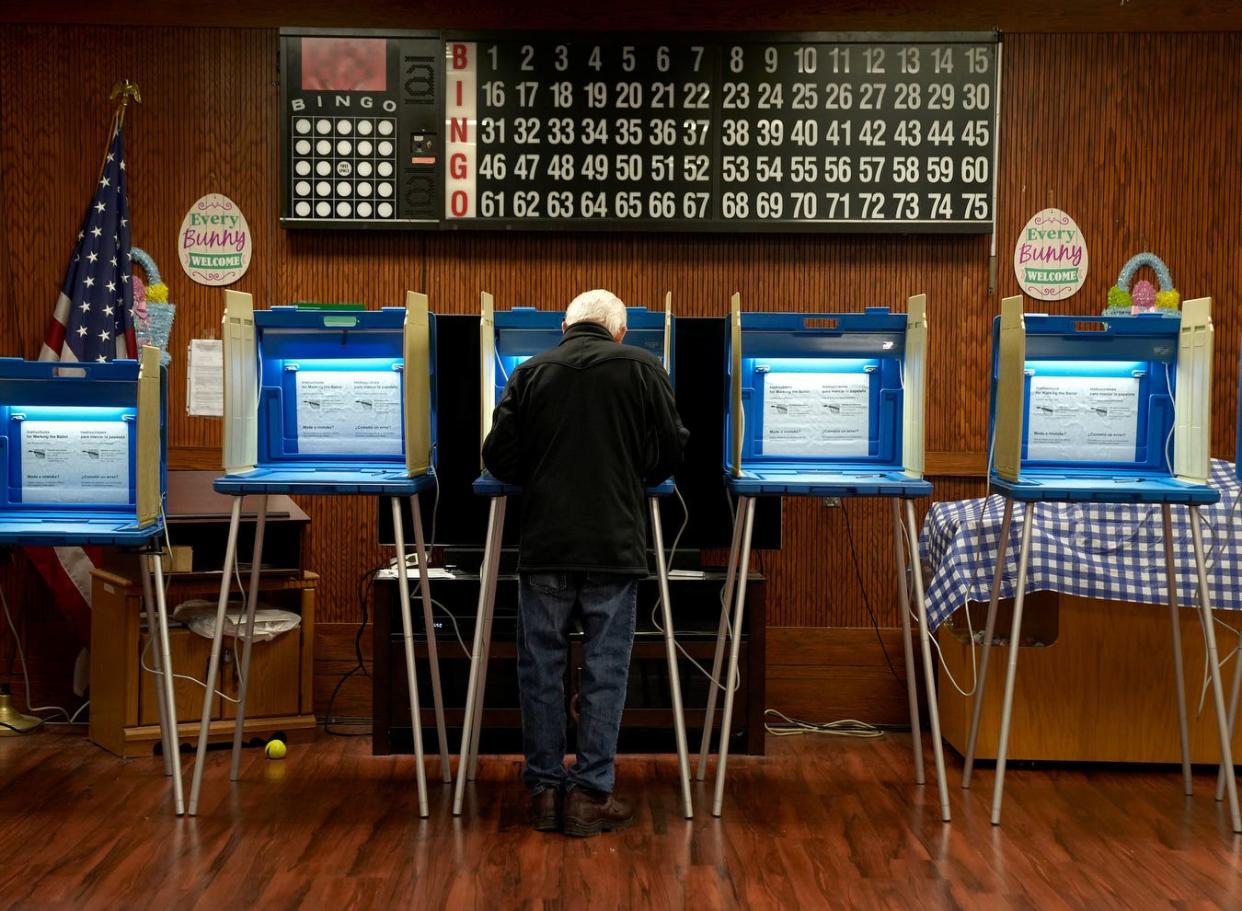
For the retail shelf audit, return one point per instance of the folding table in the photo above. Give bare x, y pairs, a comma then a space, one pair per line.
87, 465
327, 402
826, 405
506, 340
1084, 409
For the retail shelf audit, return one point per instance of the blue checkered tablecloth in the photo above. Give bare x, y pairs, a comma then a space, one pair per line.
1091, 550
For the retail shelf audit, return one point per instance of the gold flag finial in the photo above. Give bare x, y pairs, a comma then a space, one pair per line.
126, 90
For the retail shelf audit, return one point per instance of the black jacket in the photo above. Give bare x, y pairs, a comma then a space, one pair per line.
584, 428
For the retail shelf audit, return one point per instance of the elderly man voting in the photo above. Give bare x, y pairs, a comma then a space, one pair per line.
584, 428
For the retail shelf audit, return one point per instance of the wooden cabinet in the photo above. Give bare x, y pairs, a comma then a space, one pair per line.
124, 711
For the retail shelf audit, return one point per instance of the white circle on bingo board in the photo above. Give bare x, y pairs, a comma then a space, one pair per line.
323, 147
343, 188
364, 189
302, 147
323, 188
385, 189
302, 188
214, 243
365, 147
323, 168
324, 126
364, 169
302, 209
365, 127
344, 168
385, 209
364, 210
384, 168
302, 167
323, 208
344, 147
301, 126
385, 127
385, 148
344, 127
342, 209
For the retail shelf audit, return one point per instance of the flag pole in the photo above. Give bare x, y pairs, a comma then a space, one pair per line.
125, 89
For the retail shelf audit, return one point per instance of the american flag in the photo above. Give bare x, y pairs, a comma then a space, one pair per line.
93, 319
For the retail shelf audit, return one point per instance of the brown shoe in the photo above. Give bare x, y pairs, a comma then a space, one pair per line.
545, 810
590, 812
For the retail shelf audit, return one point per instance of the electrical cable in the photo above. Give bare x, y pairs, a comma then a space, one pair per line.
792, 727
862, 588
21, 655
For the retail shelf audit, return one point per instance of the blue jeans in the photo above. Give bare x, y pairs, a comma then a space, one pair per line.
545, 603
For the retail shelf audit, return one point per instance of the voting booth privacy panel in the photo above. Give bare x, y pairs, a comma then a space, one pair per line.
323, 400
85, 456
826, 405
506, 340
1111, 409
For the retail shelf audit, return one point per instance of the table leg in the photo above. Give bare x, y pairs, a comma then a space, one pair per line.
670, 650
746, 505
252, 600
1179, 679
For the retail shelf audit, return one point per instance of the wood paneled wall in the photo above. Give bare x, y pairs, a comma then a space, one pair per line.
1136, 135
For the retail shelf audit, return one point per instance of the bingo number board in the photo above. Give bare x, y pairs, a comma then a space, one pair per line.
744, 132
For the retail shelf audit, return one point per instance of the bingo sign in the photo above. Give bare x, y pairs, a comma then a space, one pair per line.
214, 242
1050, 259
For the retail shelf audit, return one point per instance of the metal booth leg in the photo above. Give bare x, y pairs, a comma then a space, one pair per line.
433, 657
746, 505
407, 634
488, 615
726, 605
998, 576
907, 641
252, 599
1179, 679
168, 736
1218, 696
213, 666
1011, 675
929, 665
487, 577
1236, 689
166, 682
670, 649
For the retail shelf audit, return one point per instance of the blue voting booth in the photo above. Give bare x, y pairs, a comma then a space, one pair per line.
328, 402
826, 405
1101, 409
506, 339
86, 459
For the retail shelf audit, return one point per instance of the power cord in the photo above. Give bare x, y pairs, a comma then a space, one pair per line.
793, 727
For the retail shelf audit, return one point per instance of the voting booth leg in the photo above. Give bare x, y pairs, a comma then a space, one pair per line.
726, 604
252, 600
1183, 728
487, 575
407, 634
213, 665
998, 576
907, 641
670, 649
168, 735
1236, 691
746, 506
433, 657
489, 615
166, 683
1218, 695
1011, 675
929, 665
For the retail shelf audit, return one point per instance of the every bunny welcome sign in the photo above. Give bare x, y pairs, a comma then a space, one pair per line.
214, 243
1050, 259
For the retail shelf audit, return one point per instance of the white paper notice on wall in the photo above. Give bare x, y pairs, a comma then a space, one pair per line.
204, 393
349, 412
75, 462
816, 414
1083, 419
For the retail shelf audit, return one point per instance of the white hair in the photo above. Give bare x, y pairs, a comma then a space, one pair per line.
598, 306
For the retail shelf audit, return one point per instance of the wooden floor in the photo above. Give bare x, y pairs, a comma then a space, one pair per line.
818, 823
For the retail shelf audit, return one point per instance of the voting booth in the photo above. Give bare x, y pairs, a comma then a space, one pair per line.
87, 464
1110, 409
826, 405
327, 401
506, 340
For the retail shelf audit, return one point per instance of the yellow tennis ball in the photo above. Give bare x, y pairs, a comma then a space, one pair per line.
276, 749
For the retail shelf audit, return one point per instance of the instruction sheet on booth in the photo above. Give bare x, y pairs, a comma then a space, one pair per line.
75, 462
816, 414
1083, 419
357, 412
